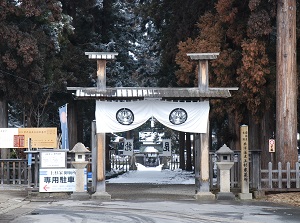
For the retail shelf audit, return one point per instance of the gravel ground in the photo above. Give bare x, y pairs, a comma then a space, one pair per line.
291, 198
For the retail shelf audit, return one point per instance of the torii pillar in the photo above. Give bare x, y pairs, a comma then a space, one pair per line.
202, 139
100, 189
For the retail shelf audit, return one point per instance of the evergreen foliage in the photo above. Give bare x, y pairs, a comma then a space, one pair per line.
42, 46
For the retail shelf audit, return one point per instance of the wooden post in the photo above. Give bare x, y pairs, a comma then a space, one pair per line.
204, 162
279, 175
202, 59
101, 75
100, 156
5, 152
202, 152
197, 162
203, 75
256, 175
101, 58
202, 166
270, 168
297, 175
94, 155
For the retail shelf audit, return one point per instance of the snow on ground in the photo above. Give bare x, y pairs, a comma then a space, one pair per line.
155, 175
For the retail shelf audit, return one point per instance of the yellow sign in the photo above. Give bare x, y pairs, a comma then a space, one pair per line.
18, 137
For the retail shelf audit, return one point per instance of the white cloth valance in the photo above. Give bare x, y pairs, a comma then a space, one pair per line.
124, 116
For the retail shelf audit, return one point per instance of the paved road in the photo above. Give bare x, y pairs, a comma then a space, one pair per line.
141, 203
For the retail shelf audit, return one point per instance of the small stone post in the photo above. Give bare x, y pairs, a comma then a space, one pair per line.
225, 165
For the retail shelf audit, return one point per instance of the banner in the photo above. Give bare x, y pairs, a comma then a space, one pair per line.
64, 127
114, 116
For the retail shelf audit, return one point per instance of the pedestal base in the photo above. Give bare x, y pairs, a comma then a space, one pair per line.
103, 196
80, 196
205, 196
225, 196
245, 196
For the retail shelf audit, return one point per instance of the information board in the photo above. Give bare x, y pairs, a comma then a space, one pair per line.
18, 137
53, 159
57, 180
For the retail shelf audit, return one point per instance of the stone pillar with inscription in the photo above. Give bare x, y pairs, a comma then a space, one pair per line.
244, 195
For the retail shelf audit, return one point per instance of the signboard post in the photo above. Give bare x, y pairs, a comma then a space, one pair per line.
167, 152
128, 147
166, 147
128, 151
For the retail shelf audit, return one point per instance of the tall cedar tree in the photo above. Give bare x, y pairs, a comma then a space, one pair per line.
30, 33
286, 86
244, 36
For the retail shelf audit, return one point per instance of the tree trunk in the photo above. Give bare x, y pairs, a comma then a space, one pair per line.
267, 127
286, 83
5, 153
234, 131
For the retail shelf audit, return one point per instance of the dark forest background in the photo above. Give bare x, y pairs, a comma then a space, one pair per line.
42, 45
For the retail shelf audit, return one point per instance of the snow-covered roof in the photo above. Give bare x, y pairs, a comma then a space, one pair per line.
150, 149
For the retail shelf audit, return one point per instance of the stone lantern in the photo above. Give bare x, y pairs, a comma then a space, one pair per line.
80, 163
225, 163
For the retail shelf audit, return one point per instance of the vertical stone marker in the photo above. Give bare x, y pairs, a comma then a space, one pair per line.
244, 195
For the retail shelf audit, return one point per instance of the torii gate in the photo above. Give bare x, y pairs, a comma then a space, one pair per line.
203, 92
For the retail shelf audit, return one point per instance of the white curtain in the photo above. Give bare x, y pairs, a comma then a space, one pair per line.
196, 120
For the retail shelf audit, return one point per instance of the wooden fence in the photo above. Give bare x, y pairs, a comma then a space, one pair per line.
13, 171
285, 179
120, 163
17, 171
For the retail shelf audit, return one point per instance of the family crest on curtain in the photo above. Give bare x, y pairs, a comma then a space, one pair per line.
112, 116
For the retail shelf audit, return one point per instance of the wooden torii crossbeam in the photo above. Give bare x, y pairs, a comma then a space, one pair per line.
201, 93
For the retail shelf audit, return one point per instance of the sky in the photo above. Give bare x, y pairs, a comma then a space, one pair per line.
155, 175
